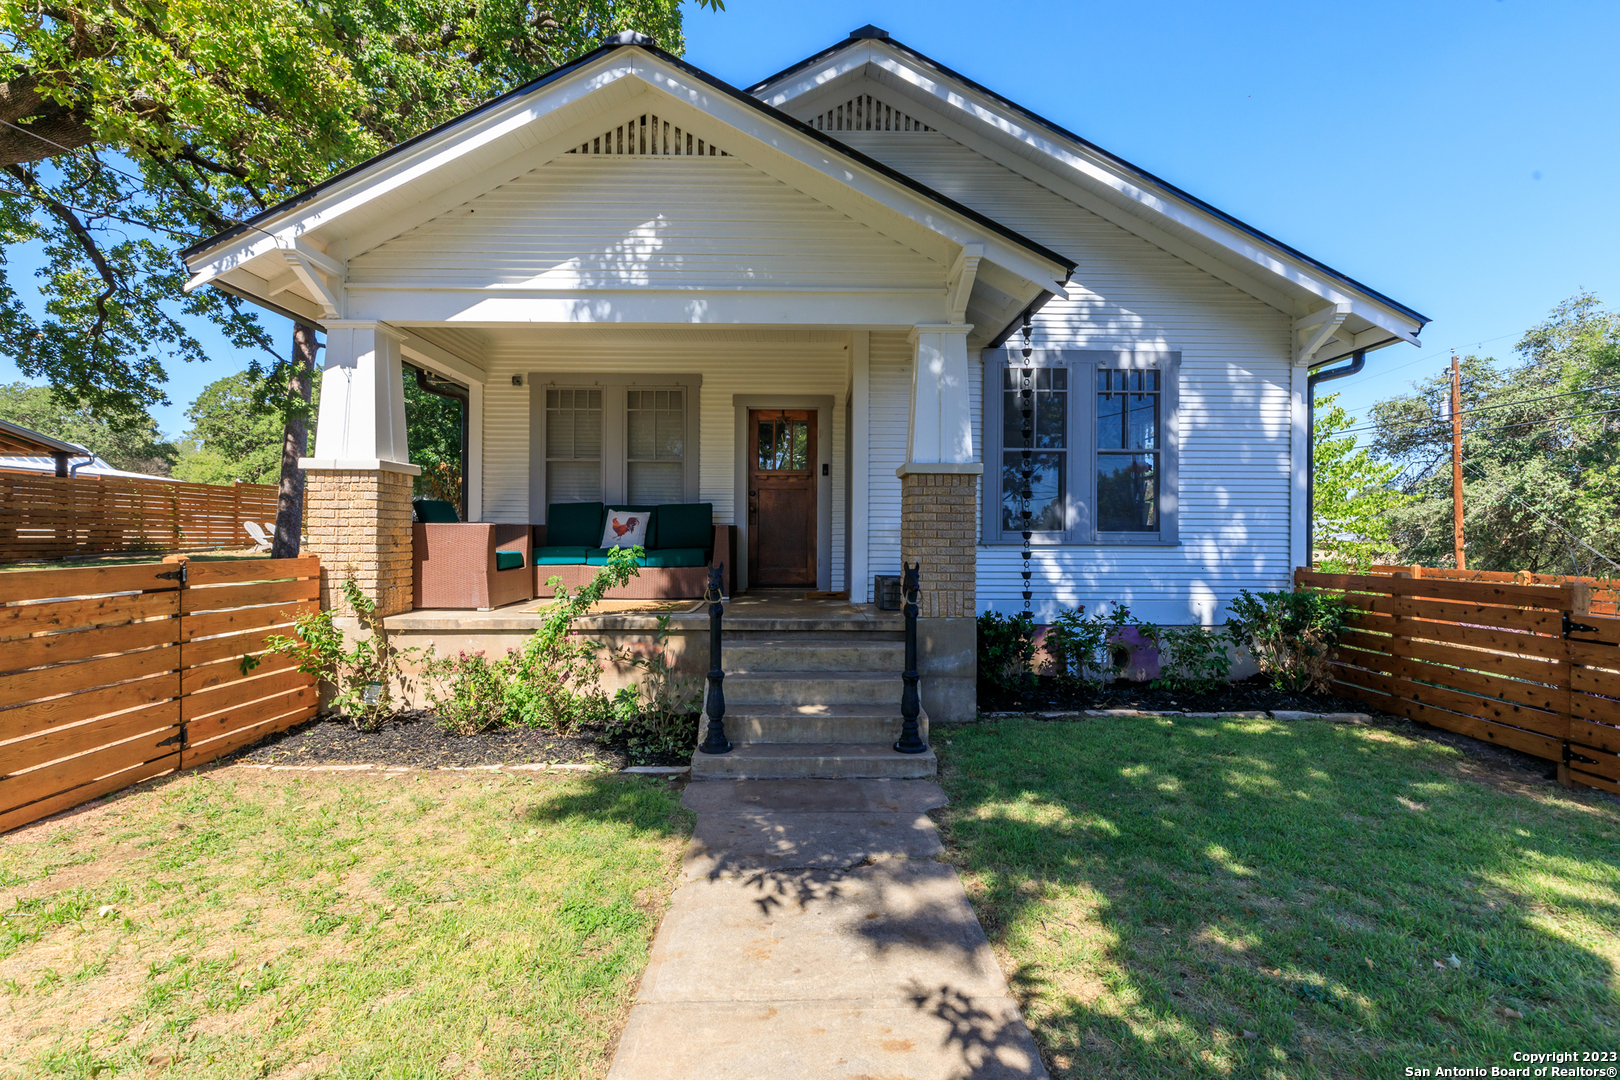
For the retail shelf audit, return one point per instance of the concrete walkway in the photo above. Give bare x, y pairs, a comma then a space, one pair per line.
813, 934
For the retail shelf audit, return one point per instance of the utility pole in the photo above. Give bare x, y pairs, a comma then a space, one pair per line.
1456, 462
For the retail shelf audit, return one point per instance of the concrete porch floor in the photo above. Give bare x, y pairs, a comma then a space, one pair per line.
765, 611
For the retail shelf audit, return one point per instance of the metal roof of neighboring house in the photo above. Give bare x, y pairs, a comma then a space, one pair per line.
16, 439
95, 466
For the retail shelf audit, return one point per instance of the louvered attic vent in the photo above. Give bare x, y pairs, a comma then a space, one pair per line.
649, 136
866, 113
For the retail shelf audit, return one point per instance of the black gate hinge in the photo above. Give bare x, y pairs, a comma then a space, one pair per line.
180, 575
1573, 627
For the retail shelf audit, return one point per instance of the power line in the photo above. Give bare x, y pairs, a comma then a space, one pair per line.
1478, 430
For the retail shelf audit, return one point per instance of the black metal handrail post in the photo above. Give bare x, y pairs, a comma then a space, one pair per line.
910, 698
714, 707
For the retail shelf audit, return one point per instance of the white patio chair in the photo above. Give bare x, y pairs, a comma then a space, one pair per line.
259, 535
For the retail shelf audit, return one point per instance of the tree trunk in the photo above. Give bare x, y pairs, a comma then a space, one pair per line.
294, 445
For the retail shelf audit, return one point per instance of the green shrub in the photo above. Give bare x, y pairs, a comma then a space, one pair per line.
1192, 660
1290, 634
468, 692
1006, 646
362, 677
657, 715
556, 683
1080, 645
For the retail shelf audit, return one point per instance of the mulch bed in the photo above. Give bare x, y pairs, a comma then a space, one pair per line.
412, 739
1255, 694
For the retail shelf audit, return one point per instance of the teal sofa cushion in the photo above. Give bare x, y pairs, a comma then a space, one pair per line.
574, 524
561, 556
508, 560
435, 512
670, 557
682, 525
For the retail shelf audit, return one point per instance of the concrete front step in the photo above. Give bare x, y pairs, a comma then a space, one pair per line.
813, 688
817, 723
816, 652
770, 761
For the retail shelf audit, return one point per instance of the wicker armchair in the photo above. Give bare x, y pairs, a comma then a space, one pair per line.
471, 564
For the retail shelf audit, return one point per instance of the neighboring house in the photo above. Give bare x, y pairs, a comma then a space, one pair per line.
26, 450
842, 256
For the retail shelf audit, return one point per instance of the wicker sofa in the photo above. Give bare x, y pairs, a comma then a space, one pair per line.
467, 564
682, 543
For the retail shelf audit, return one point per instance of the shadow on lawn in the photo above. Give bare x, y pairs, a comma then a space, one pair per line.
1203, 897
644, 804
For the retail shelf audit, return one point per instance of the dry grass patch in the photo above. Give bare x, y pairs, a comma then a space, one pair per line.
236, 923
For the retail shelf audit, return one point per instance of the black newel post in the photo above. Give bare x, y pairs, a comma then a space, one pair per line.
714, 740
910, 701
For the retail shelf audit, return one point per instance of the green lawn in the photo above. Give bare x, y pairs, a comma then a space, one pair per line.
234, 923
1255, 898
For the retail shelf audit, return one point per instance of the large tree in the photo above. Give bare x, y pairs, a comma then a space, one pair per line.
129, 128
1354, 492
1541, 453
132, 444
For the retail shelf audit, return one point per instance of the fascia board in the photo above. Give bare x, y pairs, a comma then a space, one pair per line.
792, 145
1096, 170
455, 141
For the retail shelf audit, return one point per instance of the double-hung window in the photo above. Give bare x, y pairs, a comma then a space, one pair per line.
628, 439
1101, 447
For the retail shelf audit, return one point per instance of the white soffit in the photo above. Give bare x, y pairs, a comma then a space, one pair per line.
1089, 179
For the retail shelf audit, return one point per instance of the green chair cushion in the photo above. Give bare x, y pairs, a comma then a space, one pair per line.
574, 524
435, 512
561, 556
683, 525
509, 560
669, 557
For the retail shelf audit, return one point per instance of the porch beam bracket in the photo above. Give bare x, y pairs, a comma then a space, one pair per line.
959, 283
1317, 329
320, 275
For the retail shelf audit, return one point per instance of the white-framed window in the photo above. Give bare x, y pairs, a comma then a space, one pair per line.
629, 439
573, 443
1103, 447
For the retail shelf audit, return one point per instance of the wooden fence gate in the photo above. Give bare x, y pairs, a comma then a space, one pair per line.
111, 675
1525, 666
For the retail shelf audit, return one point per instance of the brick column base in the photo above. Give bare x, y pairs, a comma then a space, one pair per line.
939, 514
359, 522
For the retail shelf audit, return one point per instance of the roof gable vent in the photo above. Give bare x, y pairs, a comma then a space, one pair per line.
863, 112
648, 136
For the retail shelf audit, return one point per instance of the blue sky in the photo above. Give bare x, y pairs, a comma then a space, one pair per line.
1460, 156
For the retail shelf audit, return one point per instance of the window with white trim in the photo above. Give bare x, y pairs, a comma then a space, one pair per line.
574, 444
627, 439
1104, 447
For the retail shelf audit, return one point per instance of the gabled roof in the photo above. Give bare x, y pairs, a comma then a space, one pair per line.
285, 231
1134, 188
16, 439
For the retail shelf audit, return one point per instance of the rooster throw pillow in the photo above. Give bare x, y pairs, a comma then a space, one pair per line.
625, 528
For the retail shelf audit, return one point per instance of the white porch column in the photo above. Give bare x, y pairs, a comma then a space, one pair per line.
939, 514
359, 481
860, 443
362, 418
941, 427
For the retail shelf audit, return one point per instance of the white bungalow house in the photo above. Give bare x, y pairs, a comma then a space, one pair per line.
856, 241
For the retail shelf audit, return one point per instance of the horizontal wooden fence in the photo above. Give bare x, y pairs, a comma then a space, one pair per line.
1605, 592
111, 675
56, 517
1525, 666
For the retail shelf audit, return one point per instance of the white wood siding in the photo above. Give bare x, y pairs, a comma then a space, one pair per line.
1235, 409
599, 222
740, 362
890, 414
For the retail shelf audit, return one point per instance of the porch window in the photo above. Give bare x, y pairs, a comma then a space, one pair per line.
1104, 447
574, 444
655, 461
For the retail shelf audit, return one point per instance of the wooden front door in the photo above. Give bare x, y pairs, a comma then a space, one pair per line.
782, 497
